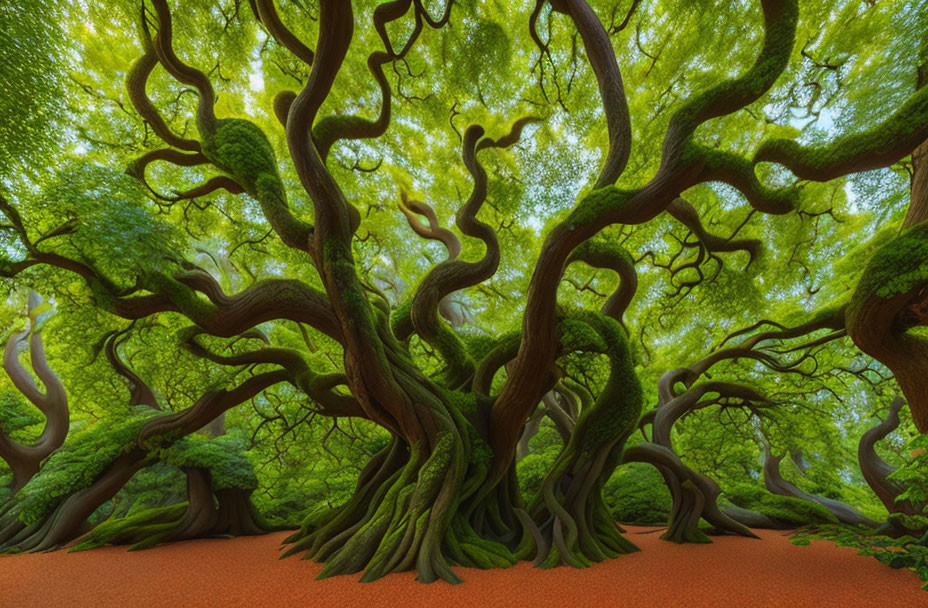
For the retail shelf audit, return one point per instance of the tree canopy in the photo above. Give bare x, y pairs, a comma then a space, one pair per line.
449, 282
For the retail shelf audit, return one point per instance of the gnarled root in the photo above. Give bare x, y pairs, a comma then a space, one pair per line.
406, 513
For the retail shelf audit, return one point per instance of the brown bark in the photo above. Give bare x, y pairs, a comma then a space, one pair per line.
140, 392
602, 59
879, 327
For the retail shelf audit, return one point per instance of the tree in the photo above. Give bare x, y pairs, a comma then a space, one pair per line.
278, 270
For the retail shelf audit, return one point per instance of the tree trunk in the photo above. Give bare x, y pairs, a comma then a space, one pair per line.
417, 505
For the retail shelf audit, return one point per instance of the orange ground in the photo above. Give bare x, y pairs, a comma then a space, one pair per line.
737, 572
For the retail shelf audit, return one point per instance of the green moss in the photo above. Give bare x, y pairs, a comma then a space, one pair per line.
182, 296
779, 36
596, 205
897, 267
907, 123
148, 527
17, 416
402, 313
615, 412
577, 335
78, 463
739, 172
434, 469
463, 402
601, 248
242, 149
794, 511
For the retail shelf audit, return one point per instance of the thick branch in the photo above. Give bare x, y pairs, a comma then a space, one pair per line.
25, 460
140, 392
610, 205
775, 483
599, 51
209, 407
880, 146
601, 253
267, 14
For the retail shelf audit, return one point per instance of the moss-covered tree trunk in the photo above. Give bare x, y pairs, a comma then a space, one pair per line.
892, 294
574, 525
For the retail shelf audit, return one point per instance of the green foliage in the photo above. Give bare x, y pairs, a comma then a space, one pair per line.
154, 486
223, 456
64, 142
914, 474
18, 418
114, 227
898, 266
904, 552
78, 463
31, 52
532, 469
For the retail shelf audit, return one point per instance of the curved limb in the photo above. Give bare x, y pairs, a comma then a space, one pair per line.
875, 469
220, 182
267, 15
162, 43
25, 460
333, 128
880, 146
69, 519
891, 298
753, 347
610, 205
136, 83
208, 407
319, 387
602, 59
569, 511
138, 166
140, 392
600, 253
685, 213
235, 146
410, 208
453, 275
775, 483
668, 413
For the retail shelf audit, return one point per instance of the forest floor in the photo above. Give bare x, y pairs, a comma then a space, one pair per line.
731, 572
